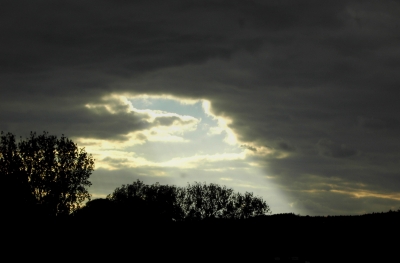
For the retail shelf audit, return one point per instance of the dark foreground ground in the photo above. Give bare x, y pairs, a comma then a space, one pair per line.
277, 238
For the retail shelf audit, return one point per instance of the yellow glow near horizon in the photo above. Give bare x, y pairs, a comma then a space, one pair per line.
360, 194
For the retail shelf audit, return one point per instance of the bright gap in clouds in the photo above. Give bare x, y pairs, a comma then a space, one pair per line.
181, 141
205, 138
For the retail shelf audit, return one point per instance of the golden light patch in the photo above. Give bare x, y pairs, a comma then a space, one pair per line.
225, 179
362, 194
197, 160
252, 186
254, 150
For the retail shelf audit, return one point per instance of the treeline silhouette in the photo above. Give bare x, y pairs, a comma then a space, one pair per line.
195, 202
45, 180
48, 177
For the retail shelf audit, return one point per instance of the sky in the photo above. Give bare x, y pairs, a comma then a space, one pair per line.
295, 101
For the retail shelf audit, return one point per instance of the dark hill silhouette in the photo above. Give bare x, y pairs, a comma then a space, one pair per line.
287, 236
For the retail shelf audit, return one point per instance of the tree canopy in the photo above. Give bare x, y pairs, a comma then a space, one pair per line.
194, 202
202, 201
148, 201
44, 171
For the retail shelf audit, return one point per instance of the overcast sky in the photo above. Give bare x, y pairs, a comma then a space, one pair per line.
295, 101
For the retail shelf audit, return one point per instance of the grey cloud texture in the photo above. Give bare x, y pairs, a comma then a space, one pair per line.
317, 81
109, 119
331, 149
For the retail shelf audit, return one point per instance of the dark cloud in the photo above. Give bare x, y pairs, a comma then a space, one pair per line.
253, 149
98, 123
378, 124
329, 148
314, 80
285, 146
110, 119
170, 120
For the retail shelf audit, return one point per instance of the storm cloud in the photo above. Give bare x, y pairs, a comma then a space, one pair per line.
314, 82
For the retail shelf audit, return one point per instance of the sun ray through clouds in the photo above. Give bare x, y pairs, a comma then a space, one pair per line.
177, 140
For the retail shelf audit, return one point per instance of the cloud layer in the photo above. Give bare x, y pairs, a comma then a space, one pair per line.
309, 87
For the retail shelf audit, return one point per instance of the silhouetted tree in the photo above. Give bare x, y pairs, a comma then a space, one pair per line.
202, 201
97, 209
46, 172
194, 202
148, 201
